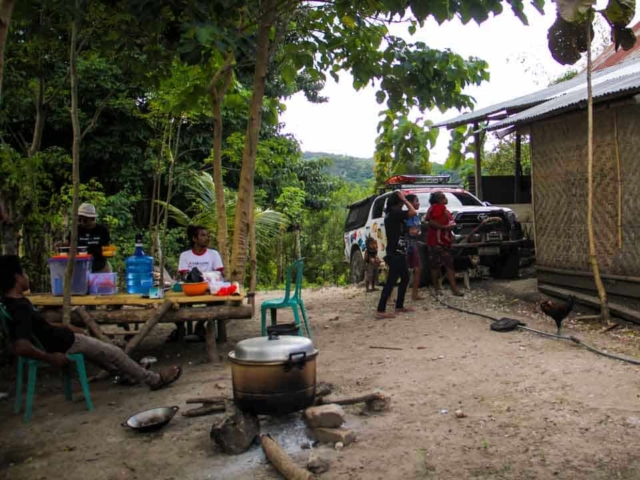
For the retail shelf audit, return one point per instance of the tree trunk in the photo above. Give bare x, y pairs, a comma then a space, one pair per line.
165, 222
6, 9
75, 154
217, 90
38, 128
478, 160
253, 279
298, 244
245, 189
593, 259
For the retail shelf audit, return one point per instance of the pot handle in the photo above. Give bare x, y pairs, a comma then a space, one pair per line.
296, 363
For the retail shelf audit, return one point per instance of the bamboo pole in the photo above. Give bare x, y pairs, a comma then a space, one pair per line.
593, 259
619, 172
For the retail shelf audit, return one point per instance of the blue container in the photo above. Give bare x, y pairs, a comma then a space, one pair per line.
80, 279
139, 268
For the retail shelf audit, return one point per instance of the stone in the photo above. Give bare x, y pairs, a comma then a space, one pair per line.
235, 432
460, 414
334, 435
324, 416
339, 446
317, 464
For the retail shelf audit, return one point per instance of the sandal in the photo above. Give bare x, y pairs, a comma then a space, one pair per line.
382, 315
405, 310
167, 377
457, 294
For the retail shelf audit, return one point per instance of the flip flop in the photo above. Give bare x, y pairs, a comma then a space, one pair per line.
382, 315
167, 377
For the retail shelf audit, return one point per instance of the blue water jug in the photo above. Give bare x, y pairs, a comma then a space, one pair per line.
139, 269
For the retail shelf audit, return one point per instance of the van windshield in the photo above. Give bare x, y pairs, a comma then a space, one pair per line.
456, 200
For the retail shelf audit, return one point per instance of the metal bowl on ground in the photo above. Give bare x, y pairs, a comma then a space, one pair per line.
151, 420
274, 375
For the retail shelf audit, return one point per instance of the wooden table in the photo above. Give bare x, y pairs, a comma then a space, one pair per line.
214, 310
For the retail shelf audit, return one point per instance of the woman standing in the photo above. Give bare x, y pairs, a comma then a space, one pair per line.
396, 259
439, 241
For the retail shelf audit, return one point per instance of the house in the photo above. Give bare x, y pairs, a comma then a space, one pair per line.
556, 121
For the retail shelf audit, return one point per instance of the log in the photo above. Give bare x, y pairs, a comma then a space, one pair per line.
205, 410
236, 431
144, 331
281, 461
376, 401
141, 315
210, 342
91, 324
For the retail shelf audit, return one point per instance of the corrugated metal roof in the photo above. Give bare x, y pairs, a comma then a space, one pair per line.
603, 89
541, 96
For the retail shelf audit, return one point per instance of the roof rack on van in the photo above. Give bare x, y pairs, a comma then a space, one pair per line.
400, 181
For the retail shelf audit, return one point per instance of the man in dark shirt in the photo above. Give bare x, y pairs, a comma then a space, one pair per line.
33, 337
396, 258
94, 237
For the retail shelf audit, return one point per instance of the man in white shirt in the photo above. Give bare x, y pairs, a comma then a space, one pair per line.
204, 259
200, 257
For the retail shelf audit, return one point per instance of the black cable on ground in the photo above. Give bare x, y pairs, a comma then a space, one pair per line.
546, 334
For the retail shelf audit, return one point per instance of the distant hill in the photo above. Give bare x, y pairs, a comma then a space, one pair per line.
360, 170
352, 169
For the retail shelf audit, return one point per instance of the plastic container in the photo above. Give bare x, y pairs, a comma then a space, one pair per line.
103, 283
139, 268
81, 272
195, 289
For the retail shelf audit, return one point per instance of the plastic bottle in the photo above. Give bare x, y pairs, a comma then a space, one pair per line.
139, 269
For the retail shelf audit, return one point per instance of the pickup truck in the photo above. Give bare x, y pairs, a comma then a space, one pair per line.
487, 234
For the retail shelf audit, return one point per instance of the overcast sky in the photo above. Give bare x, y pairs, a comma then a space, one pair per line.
519, 63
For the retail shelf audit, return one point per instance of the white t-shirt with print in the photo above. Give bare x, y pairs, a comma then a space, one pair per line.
207, 261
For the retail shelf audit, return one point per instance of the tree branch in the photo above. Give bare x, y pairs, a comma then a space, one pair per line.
96, 115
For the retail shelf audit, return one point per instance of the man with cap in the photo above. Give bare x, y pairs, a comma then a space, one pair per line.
93, 236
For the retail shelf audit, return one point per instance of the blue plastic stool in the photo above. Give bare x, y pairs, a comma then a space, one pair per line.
32, 372
294, 302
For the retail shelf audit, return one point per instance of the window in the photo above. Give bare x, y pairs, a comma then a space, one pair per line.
378, 207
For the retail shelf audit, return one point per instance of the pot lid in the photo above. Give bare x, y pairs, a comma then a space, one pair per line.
275, 348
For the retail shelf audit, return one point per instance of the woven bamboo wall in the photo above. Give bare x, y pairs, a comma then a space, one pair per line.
559, 157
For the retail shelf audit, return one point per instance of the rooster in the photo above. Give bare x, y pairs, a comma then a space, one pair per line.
558, 311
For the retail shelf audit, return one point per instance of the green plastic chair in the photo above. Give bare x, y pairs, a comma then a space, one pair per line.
32, 372
289, 301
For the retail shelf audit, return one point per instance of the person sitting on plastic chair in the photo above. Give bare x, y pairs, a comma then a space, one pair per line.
58, 341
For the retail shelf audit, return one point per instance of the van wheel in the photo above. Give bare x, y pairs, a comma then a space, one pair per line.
356, 273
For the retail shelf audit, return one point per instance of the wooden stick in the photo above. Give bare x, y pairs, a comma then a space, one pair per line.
144, 331
210, 342
207, 400
353, 400
385, 348
91, 324
205, 410
281, 461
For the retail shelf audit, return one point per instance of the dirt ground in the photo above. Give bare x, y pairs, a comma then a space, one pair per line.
536, 408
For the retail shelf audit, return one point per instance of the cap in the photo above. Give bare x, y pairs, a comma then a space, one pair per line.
87, 210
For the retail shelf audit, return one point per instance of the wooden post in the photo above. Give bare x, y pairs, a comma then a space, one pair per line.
478, 155
517, 188
91, 324
148, 326
210, 342
222, 331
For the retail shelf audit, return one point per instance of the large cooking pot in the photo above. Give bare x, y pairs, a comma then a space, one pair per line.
274, 375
